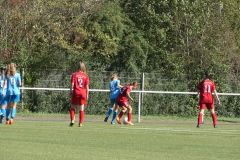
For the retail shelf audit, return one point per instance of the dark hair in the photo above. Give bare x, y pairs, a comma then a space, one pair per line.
3, 68
207, 75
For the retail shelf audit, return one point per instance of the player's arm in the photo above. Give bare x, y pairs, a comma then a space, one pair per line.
71, 85
128, 95
198, 90
71, 88
20, 83
87, 90
216, 95
19, 80
4, 86
119, 85
198, 93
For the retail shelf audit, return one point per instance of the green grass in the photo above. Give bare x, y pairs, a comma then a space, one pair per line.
50, 140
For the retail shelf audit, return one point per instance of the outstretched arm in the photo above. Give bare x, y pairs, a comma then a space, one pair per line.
119, 85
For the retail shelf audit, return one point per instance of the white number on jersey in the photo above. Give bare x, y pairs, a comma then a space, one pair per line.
13, 81
80, 82
113, 87
207, 88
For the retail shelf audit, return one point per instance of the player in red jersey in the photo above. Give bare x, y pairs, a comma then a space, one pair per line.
123, 102
79, 90
205, 89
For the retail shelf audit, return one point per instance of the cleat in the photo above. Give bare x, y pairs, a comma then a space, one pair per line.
71, 124
105, 120
118, 120
11, 121
129, 123
215, 126
7, 122
80, 125
112, 123
198, 126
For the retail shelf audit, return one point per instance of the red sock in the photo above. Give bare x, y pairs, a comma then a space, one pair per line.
120, 114
81, 116
214, 118
129, 117
200, 118
72, 114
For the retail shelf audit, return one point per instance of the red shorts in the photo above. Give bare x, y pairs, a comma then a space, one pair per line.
78, 99
123, 103
206, 105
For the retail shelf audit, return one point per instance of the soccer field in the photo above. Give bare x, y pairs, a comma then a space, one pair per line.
50, 140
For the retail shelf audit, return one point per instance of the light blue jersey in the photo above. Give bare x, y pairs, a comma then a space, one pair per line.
13, 84
1, 86
115, 90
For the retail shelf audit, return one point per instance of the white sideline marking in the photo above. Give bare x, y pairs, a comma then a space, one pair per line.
191, 131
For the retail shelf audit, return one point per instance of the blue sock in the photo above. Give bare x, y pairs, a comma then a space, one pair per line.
3, 110
13, 112
7, 114
114, 117
109, 112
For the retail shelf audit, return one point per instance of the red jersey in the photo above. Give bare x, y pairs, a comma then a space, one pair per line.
80, 81
206, 88
123, 93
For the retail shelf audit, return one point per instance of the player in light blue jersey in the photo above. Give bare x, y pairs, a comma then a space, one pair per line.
3, 100
114, 87
13, 92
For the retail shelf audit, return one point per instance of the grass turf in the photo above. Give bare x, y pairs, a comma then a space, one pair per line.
102, 141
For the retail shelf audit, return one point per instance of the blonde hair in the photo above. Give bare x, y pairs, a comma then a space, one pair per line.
81, 67
11, 69
113, 76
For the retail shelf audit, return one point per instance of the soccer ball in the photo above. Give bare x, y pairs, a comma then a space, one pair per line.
125, 120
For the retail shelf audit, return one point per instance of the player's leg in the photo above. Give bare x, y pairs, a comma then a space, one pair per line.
72, 114
129, 122
203, 118
82, 101
72, 110
81, 115
8, 110
214, 116
118, 119
3, 110
16, 99
116, 106
13, 113
110, 109
3, 107
200, 115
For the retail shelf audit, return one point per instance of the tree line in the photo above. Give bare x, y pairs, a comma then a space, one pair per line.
175, 38
172, 37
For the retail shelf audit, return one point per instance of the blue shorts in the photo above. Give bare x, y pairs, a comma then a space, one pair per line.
113, 101
13, 98
3, 100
